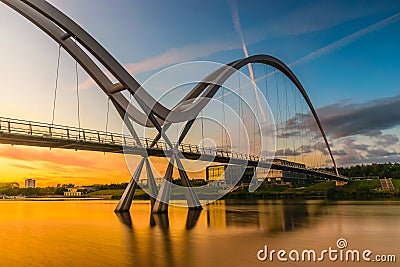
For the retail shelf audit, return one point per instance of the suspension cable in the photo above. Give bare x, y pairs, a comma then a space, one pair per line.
295, 122
240, 102
286, 117
202, 128
223, 118
302, 131
311, 140
177, 132
279, 113
56, 85
266, 93
256, 115
108, 112
266, 81
77, 86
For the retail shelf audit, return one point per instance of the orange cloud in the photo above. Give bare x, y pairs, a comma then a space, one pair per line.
50, 167
61, 166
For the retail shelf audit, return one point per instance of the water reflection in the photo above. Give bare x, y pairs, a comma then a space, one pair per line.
192, 218
268, 216
125, 218
160, 219
167, 241
225, 233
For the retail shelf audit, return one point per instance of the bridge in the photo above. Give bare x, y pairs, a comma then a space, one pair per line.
29, 133
138, 108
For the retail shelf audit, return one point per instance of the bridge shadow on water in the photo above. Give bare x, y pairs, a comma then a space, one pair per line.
160, 219
267, 216
155, 245
169, 239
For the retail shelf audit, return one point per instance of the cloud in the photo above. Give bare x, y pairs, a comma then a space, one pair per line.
352, 153
174, 56
23, 166
340, 152
235, 19
42, 155
287, 152
345, 119
289, 134
380, 152
305, 149
387, 140
346, 40
357, 130
373, 133
63, 161
370, 118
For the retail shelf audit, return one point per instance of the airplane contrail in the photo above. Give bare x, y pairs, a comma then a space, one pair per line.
340, 43
238, 28
346, 40
337, 44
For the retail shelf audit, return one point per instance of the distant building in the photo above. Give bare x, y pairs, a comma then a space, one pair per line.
222, 175
30, 183
286, 177
144, 181
73, 192
87, 189
225, 175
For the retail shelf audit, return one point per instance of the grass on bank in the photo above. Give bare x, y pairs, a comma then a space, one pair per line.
364, 189
116, 194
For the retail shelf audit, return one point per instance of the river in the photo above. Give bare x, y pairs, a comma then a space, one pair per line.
225, 233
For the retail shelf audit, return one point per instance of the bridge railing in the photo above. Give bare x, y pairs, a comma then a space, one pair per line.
79, 134
58, 131
38, 129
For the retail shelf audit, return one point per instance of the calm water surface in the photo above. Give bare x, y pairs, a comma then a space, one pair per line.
225, 233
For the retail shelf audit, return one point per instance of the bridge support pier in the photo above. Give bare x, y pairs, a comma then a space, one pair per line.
125, 202
161, 203
192, 199
151, 183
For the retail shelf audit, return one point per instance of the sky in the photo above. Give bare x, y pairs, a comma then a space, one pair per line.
345, 53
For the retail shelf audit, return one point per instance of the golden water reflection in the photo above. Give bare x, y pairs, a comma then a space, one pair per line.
225, 233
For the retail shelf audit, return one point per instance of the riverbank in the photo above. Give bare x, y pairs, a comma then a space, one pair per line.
50, 199
354, 190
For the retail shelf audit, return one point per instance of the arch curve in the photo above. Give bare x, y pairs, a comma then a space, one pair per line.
218, 77
63, 30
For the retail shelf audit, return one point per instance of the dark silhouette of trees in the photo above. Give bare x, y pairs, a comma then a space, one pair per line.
383, 170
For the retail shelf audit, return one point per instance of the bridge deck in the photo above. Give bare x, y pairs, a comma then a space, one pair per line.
27, 133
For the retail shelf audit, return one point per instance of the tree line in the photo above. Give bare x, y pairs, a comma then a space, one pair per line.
13, 189
381, 170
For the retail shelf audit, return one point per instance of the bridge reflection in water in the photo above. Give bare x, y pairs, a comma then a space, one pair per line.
261, 215
171, 240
